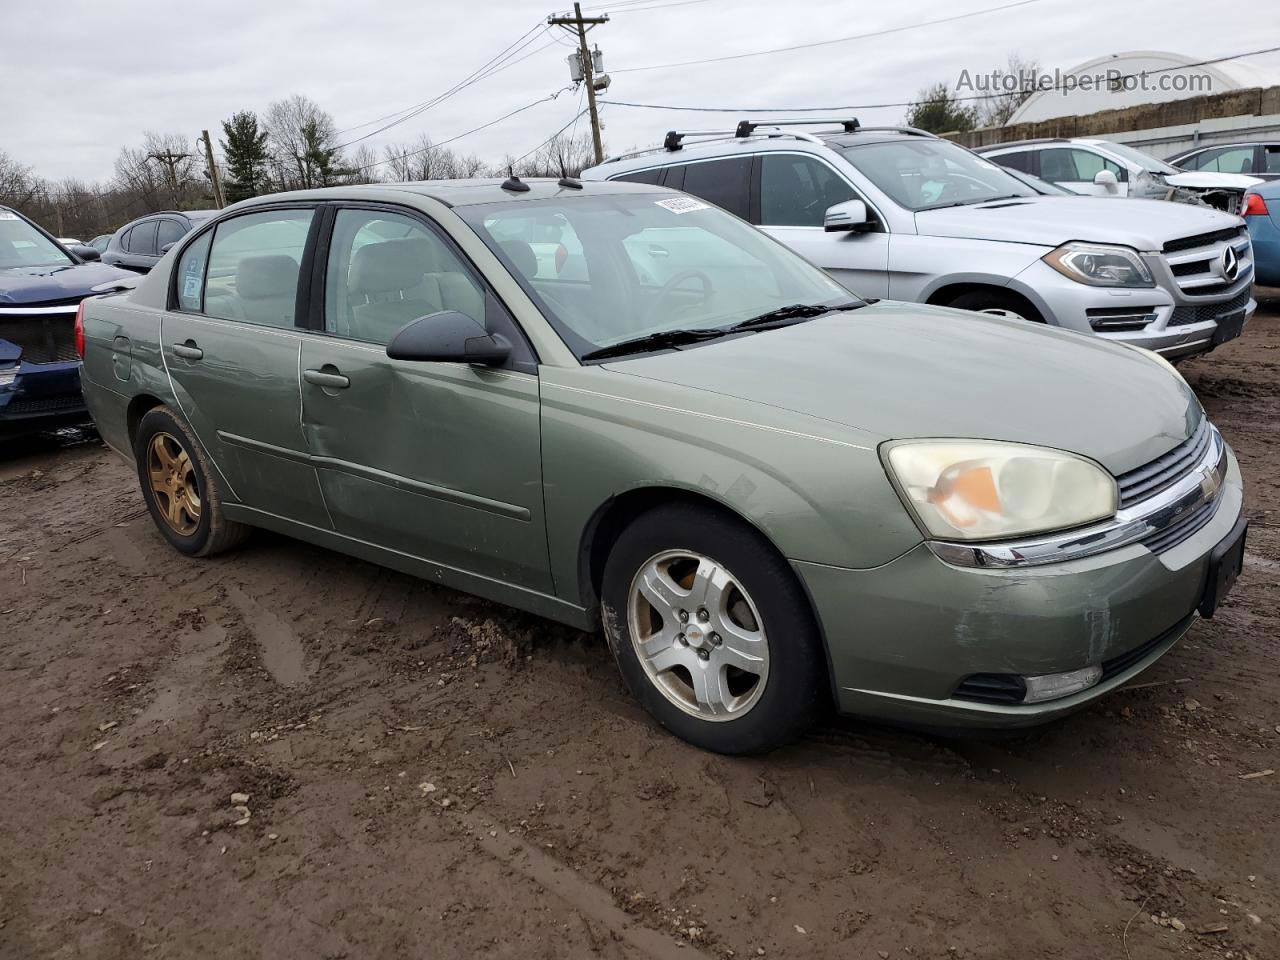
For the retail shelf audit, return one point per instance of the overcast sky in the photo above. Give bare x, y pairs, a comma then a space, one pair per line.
81, 78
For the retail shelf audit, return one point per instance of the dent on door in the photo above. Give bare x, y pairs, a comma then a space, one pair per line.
441, 461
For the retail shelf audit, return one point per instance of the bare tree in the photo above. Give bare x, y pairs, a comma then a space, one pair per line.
559, 156
18, 185
422, 160
1010, 88
303, 141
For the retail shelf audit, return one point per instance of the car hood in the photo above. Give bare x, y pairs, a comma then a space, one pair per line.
20, 286
1052, 221
904, 370
1210, 181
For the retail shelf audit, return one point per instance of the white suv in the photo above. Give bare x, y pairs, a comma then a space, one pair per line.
1102, 168
899, 213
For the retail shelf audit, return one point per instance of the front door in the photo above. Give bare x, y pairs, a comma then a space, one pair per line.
231, 348
796, 191
441, 461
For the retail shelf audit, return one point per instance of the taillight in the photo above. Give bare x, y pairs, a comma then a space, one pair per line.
80, 330
1254, 206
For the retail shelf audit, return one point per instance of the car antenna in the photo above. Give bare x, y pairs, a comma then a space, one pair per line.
566, 180
514, 183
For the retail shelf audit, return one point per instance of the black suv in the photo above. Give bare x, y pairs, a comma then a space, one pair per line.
140, 244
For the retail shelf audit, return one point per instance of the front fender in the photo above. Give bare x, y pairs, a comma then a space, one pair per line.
816, 489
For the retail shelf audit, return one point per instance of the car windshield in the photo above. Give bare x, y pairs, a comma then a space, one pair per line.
616, 267
924, 174
1144, 160
22, 245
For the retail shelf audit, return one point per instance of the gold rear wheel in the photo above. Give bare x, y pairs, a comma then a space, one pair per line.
172, 478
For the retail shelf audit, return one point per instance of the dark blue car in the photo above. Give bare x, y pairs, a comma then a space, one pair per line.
1262, 214
41, 285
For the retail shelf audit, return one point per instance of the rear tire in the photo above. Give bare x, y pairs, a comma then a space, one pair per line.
712, 632
180, 486
997, 303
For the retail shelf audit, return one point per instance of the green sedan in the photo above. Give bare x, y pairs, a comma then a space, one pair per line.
618, 407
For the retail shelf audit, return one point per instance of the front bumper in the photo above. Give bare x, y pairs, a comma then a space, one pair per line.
903, 636
33, 395
1068, 304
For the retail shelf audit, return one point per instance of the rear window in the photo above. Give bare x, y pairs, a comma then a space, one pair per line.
726, 183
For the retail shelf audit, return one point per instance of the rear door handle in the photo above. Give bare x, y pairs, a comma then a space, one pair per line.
188, 351
322, 378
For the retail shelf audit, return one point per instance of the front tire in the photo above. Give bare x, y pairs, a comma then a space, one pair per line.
711, 630
997, 304
180, 487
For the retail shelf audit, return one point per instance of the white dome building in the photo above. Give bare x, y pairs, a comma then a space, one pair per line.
1122, 80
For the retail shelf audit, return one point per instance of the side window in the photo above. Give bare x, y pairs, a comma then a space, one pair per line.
171, 231
1058, 165
253, 267
796, 191
1272, 160
1227, 160
653, 176
142, 239
1089, 164
386, 269
726, 183
190, 282
1014, 161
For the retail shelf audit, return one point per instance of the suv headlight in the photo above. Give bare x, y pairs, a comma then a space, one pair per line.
991, 490
1100, 265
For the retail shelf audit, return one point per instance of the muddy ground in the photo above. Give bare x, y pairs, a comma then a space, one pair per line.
428, 775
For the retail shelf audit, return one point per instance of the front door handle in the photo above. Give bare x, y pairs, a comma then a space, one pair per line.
188, 351
323, 378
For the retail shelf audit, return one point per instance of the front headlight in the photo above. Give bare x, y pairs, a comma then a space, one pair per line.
1100, 265
989, 490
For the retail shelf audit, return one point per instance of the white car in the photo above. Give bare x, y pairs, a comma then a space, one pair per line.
1102, 168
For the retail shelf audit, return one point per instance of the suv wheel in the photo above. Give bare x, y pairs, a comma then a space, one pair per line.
711, 631
997, 304
179, 488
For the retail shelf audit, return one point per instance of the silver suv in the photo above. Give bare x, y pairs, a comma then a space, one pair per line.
901, 214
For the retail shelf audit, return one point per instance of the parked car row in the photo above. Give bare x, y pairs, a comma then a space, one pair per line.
899, 213
615, 404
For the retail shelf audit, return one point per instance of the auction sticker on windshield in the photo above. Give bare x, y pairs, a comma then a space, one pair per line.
682, 204
6, 215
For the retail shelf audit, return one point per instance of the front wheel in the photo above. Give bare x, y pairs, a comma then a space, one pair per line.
711, 631
997, 304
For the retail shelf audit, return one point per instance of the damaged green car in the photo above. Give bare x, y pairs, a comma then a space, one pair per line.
614, 405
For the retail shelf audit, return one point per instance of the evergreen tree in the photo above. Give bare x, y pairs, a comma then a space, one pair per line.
937, 111
245, 150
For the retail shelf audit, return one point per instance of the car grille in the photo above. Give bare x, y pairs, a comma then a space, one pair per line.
1118, 665
43, 337
1193, 261
1165, 470
1203, 313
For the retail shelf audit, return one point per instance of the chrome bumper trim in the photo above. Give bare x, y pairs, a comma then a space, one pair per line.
1202, 485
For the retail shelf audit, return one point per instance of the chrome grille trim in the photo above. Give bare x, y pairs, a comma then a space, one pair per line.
1159, 521
1165, 470
1194, 263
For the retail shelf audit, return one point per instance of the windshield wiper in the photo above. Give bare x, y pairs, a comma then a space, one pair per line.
796, 312
662, 340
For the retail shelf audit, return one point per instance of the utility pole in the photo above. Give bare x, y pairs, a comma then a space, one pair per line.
219, 200
170, 160
579, 24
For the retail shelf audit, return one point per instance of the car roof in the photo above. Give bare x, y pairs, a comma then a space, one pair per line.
462, 193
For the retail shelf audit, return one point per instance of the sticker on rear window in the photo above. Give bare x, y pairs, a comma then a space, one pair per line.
682, 204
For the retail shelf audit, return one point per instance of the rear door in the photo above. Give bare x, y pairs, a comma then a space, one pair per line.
795, 191
231, 346
440, 461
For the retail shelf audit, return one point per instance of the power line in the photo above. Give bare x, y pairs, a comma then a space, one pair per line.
489, 68
454, 139
571, 123
648, 5
911, 103
824, 43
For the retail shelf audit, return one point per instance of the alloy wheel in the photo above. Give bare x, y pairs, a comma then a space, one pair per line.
698, 635
173, 484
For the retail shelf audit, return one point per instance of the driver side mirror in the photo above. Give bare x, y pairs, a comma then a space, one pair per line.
1107, 180
847, 216
448, 337
84, 251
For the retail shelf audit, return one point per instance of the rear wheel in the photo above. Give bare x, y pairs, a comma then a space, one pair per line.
179, 486
997, 304
711, 630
